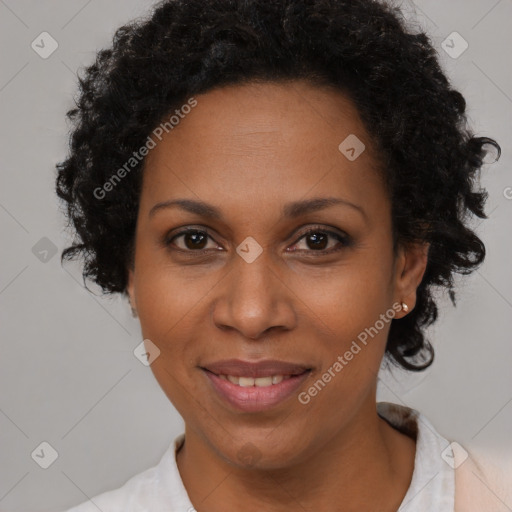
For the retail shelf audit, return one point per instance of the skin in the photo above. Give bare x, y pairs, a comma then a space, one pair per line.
248, 150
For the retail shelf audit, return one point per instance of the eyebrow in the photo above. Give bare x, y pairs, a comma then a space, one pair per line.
290, 210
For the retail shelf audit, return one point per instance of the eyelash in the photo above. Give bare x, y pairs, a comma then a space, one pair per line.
345, 241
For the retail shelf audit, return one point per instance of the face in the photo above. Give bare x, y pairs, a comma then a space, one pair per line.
288, 260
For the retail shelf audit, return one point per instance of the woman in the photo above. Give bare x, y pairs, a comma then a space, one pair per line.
277, 187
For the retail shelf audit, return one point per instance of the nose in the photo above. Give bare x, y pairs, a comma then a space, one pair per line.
253, 299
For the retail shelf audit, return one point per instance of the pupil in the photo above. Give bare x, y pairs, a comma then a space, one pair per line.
196, 236
316, 238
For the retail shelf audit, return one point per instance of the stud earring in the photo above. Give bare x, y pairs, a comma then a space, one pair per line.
405, 307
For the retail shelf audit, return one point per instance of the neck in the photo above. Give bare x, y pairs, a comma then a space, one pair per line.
368, 464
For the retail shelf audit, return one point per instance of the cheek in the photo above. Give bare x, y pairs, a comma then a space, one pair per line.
167, 293
164, 307
352, 309
351, 354
347, 298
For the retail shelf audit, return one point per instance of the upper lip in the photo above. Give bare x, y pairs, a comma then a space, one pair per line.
266, 368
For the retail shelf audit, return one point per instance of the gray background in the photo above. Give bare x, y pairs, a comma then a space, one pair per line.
68, 375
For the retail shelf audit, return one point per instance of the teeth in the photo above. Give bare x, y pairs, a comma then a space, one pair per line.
263, 382
232, 379
245, 382
260, 382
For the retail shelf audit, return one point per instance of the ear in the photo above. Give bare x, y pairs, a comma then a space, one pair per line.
410, 266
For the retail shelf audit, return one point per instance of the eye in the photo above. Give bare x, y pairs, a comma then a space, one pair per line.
192, 239
317, 240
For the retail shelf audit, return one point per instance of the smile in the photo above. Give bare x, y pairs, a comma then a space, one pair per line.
260, 382
254, 387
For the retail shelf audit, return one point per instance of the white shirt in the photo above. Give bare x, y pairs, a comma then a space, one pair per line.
160, 488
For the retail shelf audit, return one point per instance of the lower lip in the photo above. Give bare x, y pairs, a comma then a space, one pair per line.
255, 399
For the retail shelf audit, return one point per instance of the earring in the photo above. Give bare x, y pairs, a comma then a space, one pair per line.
405, 307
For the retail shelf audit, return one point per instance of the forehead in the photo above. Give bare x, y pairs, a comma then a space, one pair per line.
264, 141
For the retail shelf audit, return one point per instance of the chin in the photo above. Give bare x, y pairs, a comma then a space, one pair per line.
262, 454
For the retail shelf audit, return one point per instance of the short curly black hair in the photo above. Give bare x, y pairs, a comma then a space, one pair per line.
364, 48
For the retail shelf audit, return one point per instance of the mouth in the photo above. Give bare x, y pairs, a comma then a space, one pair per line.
259, 382
255, 387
